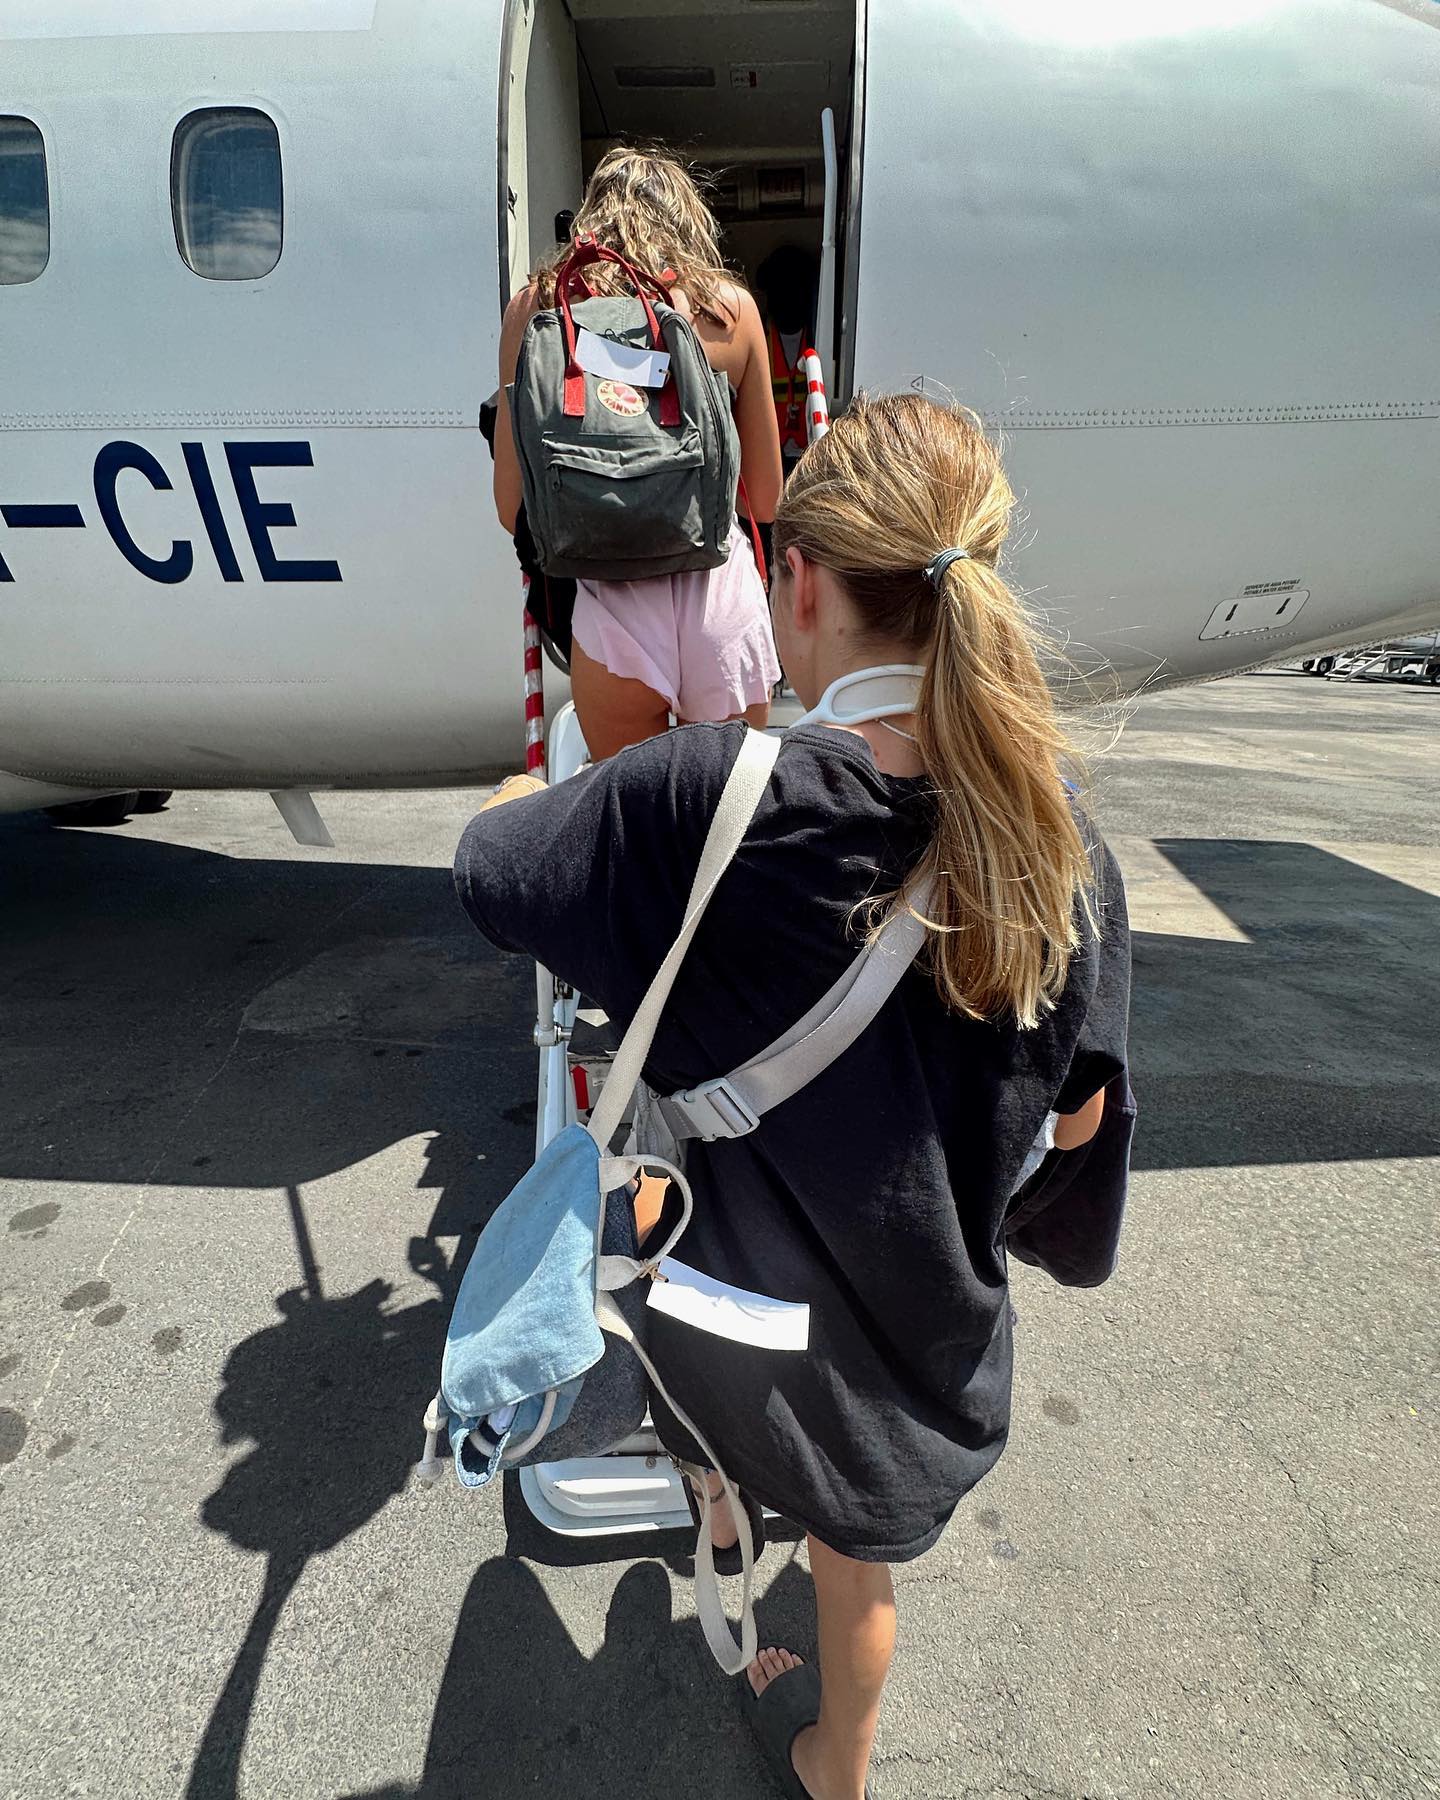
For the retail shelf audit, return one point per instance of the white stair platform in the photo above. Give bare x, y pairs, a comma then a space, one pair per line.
604, 1496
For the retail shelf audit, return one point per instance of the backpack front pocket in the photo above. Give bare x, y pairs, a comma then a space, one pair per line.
606, 499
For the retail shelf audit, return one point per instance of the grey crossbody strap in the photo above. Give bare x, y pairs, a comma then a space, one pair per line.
739, 799
732, 1105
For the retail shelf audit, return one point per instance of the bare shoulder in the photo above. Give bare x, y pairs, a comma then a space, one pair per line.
749, 326
524, 304
742, 315
730, 340
736, 301
743, 302
518, 314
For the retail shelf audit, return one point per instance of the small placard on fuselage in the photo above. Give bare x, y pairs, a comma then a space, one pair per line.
1273, 611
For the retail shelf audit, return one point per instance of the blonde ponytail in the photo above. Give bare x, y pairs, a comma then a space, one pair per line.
898, 479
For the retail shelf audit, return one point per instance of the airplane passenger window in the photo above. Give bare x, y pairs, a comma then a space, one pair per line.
226, 193
24, 201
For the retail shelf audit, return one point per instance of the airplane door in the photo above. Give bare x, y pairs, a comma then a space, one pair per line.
513, 210
539, 134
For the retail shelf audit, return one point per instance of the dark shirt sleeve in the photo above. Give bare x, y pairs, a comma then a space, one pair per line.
590, 877
1066, 1220
1100, 1051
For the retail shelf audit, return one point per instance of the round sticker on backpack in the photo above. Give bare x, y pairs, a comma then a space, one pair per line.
620, 398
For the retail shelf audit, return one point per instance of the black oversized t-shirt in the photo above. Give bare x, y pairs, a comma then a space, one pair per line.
877, 1194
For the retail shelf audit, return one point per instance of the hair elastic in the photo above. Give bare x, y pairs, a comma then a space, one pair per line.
936, 567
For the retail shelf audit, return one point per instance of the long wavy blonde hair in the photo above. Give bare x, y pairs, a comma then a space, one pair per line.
897, 479
647, 205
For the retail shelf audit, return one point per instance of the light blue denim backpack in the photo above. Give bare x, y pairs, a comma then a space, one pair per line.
544, 1355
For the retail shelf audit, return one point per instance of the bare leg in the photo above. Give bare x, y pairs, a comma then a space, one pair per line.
614, 710
855, 1602
723, 1531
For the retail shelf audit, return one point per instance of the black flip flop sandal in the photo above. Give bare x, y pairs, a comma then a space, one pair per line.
728, 1561
789, 1705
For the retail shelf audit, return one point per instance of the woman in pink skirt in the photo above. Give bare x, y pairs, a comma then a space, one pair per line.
695, 646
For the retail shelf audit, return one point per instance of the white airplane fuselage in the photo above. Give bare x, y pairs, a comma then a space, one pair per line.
1185, 260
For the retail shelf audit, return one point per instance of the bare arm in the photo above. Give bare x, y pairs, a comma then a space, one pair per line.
514, 787
760, 465
509, 490
1077, 1128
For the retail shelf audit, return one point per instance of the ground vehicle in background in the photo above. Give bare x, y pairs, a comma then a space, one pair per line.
1404, 659
1392, 665
1336, 662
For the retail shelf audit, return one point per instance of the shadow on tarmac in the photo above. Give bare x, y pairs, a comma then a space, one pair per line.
283, 1017
355, 1366
647, 1716
1314, 1042
326, 990
648, 1705
329, 1399
337, 1008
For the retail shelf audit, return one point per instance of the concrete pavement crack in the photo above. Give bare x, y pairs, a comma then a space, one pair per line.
1356, 1746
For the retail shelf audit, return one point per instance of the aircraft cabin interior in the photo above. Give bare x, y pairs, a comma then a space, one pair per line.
737, 87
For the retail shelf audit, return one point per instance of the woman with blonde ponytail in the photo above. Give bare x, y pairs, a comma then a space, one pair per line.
1007, 862
984, 1112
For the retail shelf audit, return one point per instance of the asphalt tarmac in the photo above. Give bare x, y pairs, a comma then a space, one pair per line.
254, 1098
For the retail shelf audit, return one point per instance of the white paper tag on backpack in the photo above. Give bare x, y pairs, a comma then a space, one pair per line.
621, 362
729, 1312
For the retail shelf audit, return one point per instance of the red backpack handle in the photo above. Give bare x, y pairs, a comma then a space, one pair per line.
570, 276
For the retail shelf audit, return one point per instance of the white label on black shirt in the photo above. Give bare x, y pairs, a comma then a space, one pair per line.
729, 1312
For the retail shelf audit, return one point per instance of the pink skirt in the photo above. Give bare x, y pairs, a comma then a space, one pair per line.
702, 641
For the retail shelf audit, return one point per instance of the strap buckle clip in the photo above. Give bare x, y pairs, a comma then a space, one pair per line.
714, 1110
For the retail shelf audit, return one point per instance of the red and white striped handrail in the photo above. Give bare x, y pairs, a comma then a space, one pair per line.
534, 693
817, 407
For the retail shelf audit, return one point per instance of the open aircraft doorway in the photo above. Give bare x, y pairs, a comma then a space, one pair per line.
739, 88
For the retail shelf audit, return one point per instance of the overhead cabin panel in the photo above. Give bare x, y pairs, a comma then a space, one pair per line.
737, 82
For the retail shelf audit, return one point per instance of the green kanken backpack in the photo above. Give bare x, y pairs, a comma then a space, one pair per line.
627, 446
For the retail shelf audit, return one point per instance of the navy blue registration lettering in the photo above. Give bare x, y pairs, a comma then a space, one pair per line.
38, 518
215, 528
41, 518
112, 460
263, 516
